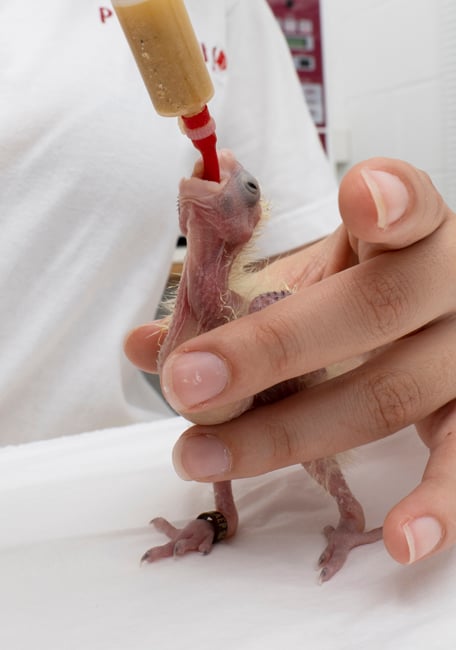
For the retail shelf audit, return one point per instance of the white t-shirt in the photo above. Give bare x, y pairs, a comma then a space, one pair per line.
88, 184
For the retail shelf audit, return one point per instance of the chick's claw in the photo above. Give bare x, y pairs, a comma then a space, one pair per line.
197, 535
341, 541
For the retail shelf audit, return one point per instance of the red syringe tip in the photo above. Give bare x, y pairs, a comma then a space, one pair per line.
200, 128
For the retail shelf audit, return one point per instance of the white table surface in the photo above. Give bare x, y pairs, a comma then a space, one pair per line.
74, 515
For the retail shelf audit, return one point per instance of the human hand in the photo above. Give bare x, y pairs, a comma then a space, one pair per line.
383, 279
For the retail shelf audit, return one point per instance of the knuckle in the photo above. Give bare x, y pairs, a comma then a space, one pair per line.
283, 443
275, 337
394, 398
385, 301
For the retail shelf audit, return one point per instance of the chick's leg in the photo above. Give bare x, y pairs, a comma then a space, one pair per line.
349, 532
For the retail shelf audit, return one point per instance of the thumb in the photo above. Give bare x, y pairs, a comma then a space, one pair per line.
389, 204
424, 523
142, 344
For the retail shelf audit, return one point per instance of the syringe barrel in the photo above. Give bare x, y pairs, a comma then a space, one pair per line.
168, 54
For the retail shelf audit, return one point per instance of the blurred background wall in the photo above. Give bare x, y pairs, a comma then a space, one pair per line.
390, 69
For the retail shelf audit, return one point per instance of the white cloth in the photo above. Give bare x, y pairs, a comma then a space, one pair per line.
74, 526
88, 183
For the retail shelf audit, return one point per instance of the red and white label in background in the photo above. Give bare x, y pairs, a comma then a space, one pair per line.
105, 13
215, 57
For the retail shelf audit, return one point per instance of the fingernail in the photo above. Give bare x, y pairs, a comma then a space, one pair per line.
192, 378
422, 535
201, 457
389, 194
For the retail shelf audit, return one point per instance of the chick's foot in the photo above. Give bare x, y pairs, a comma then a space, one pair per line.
197, 535
341, 541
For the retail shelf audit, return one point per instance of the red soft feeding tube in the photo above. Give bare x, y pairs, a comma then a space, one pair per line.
200, 128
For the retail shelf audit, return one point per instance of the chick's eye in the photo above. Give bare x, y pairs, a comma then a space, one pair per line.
250, 187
